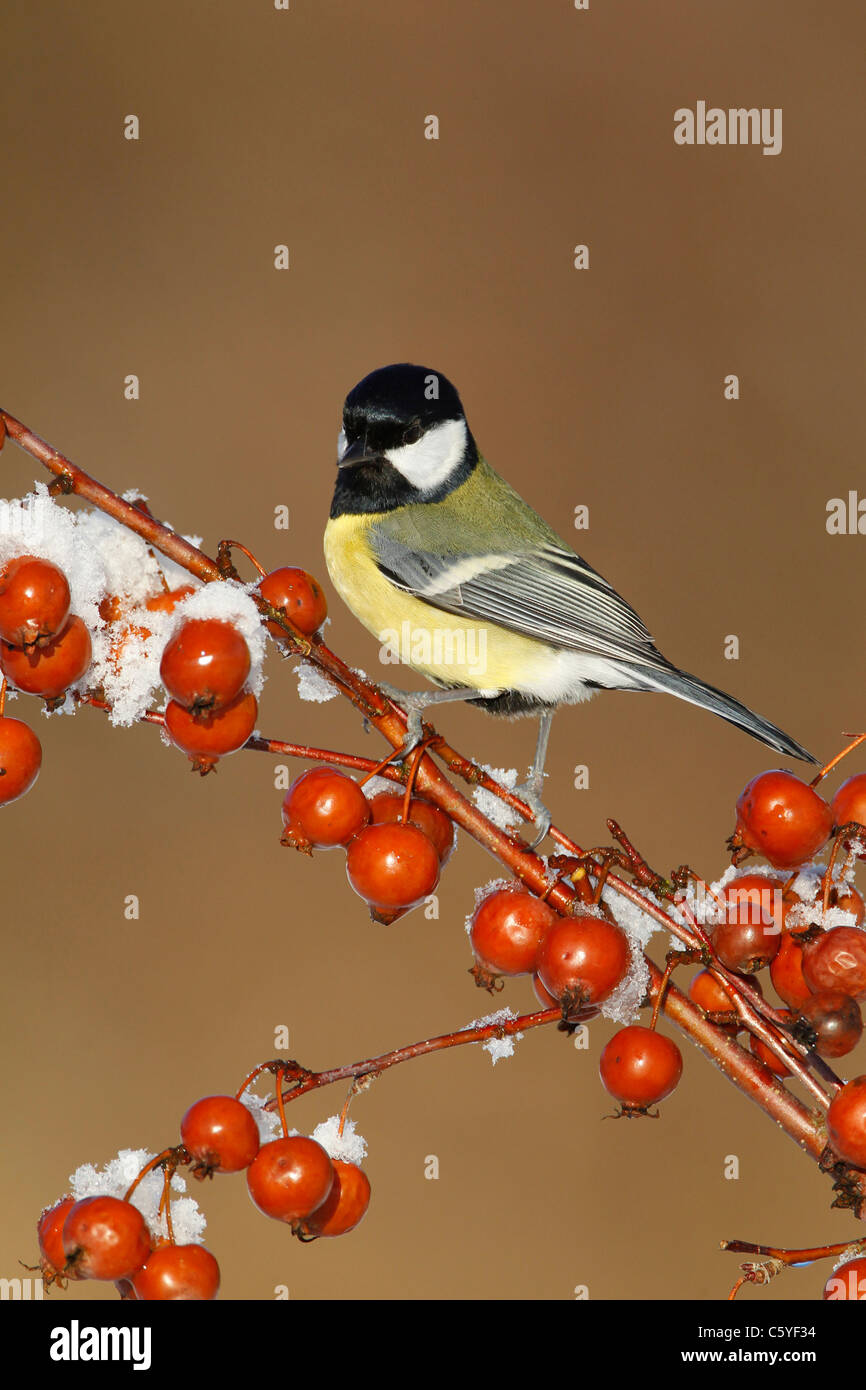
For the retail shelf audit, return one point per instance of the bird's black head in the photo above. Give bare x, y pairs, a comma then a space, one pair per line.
404, 439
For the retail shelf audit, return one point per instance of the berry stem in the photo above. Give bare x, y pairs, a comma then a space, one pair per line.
827, 882
225, 548
170, 1157
856, 740
413, 773
280, 1102
165, 1203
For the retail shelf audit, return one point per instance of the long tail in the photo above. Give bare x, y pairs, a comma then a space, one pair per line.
697, 692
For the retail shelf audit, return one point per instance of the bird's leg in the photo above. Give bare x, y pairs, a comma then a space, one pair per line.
413, 702
530, 790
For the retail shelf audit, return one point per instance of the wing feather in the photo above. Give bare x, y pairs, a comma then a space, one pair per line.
544, 592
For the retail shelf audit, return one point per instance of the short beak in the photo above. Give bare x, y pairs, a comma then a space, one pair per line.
356, 452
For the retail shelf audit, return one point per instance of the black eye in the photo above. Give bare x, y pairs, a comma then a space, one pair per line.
412, 433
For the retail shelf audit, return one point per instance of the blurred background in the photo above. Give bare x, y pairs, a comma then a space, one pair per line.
602, 388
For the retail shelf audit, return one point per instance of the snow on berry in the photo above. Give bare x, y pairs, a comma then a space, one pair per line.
623, 1004
103, 560
376, 785
268, 1121
133, 570
117, 1176
37, 525
348, 1147
484, 890
229, 602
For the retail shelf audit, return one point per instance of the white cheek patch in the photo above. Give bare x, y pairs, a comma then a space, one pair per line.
432, 459
341, 444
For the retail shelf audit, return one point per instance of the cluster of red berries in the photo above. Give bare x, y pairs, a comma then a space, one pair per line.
393, 859
44, 649
818, 972
576, 963
206, 663
292, 1179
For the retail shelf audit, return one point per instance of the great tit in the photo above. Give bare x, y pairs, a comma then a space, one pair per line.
461, 580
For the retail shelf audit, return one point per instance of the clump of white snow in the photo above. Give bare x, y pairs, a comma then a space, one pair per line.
623, 1004
489, 804
313, 685
116, 1177
268, 1121
625, 1001
348, 1147
497, 1047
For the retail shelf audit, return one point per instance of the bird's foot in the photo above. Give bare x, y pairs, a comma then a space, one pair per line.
529, 791
411, 703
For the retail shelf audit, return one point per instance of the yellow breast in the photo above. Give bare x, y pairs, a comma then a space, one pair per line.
447, 649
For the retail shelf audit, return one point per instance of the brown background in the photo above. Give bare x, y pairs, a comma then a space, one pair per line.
603, 388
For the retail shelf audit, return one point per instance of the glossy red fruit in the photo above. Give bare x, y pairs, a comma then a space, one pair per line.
345, 1205
508, 926
105, 1238
766, 1054
847, 1282
748, 938
640, 1066
392, 866
836, 1019
781, 818
849, 803
34, 601
323, 808
289, 1178
20, 759
757, 899
786, 971
711, 995
167, 601
837, 960
49, 670
298, 595
208, 736
177, 1272
220, 1134
387, 807
582, 959
846, 1122
49, 1231
205, 664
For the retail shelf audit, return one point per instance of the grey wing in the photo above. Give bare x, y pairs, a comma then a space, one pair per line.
547, 593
